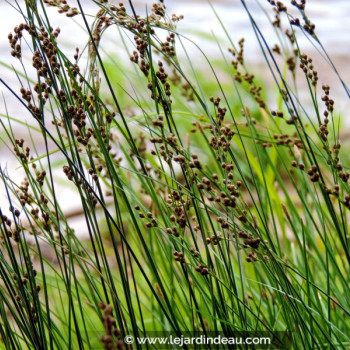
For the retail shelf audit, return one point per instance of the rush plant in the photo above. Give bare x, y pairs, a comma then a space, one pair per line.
209, 201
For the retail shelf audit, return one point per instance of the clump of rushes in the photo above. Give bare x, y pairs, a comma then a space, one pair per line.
205, 206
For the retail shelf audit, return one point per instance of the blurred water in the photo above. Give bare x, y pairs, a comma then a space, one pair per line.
330, 16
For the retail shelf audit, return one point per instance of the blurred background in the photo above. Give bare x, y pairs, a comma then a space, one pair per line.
331, 18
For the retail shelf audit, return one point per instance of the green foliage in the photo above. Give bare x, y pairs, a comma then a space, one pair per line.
201, 213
